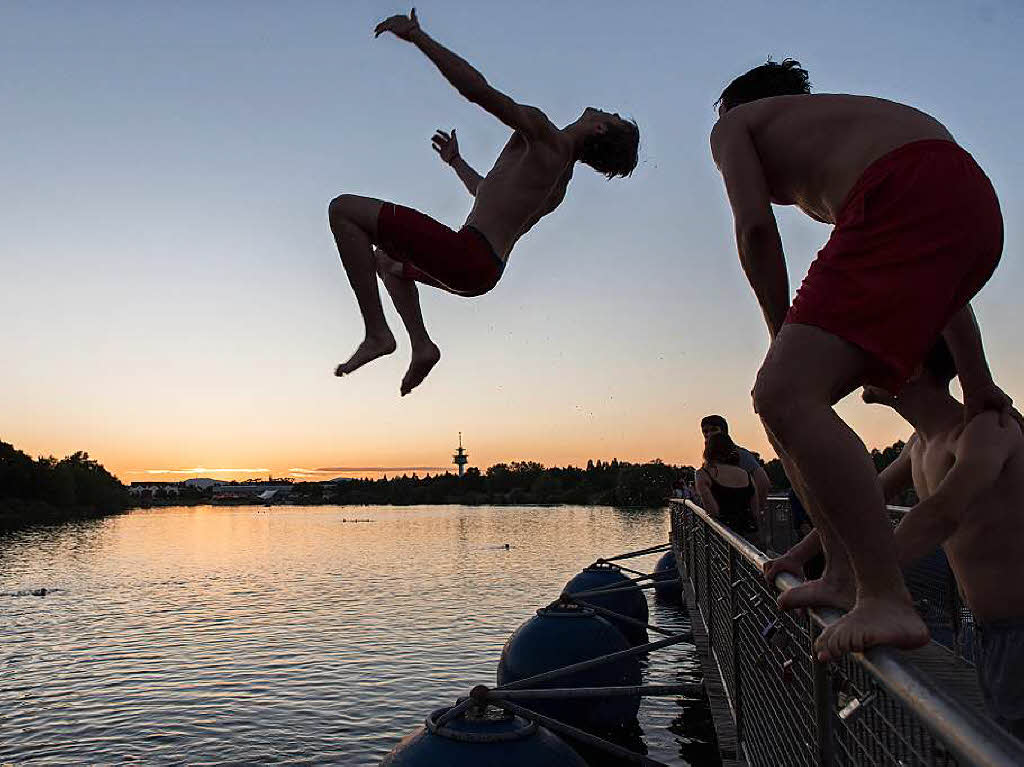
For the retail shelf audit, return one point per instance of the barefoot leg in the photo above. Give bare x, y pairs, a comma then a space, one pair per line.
354, 225
872, 622
405, 296
835, 588
806, 371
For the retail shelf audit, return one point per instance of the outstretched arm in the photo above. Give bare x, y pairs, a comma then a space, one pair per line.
468, 81
757, 234
447, 146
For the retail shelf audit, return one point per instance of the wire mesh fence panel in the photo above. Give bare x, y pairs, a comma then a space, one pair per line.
882, 731
786, 706
774, 669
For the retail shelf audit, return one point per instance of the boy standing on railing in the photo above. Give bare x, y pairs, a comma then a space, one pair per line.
971, 484
918, 232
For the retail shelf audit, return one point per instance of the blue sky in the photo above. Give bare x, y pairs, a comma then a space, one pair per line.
171, 295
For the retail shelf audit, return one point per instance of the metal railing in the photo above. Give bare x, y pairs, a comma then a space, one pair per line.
930, 580
874, 708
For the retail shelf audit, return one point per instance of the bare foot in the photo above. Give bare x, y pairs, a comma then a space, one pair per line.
423, 361
873, 622
823, 592
369, 350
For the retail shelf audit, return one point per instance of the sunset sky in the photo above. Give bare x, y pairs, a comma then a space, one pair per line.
171, 298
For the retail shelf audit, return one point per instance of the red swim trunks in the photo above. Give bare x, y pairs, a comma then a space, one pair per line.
915, 240
461, 262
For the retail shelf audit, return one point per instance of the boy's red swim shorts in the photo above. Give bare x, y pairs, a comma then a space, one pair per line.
461, 262
916, 238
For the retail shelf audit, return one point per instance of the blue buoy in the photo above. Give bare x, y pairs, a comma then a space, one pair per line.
563, 634
489, 737
671, 592
631, 602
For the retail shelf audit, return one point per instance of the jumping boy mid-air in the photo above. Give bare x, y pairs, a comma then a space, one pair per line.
527, 182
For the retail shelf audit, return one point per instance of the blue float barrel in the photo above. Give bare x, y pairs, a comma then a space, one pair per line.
631, 602
490, 737
668, 571
561, 635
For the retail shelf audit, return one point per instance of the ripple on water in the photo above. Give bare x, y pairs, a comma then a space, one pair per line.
220, 635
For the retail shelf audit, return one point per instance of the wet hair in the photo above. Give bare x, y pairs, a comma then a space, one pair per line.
721, 449
614, 152
714, 420
939, 363
770, 79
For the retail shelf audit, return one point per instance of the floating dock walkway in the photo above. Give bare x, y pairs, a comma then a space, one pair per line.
775, 705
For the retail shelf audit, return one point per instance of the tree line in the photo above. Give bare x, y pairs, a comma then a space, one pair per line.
605, 483
48, 489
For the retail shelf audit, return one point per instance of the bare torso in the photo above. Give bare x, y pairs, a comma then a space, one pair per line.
987, 550
527, 182
813, 148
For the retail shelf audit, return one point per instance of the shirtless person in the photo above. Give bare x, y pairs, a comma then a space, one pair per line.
918, 231
971, 485
527, 182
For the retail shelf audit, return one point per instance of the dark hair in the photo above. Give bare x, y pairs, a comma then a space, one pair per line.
721, 449
614, 152
939, 362
714, 420
769, 79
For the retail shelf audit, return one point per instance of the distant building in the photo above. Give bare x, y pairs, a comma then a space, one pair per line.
202, 483
151, 488
257, 492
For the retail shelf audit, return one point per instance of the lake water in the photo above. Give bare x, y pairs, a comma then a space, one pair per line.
291, 635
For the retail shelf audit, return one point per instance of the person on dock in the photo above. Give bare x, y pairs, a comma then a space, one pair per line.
528, 181
970, 481
716, 424
727, 490
917, 233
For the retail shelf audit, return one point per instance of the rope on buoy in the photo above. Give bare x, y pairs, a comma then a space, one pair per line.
639, 553
481, 697
455, 711
577, 734
626, 569
617, 589
598, 661
619, 616
478, 737
637, 581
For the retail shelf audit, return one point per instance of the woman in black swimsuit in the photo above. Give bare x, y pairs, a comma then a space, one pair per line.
728, 492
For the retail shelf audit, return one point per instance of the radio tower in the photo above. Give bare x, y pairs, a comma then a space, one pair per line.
461, 457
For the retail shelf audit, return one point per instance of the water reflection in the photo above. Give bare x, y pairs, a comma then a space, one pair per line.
246, 634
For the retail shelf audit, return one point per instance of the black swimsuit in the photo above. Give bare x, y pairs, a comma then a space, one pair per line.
734, 504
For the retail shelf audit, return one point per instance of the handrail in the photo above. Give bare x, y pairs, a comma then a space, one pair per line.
970, 737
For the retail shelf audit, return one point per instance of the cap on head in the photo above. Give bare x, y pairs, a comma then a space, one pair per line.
711, 422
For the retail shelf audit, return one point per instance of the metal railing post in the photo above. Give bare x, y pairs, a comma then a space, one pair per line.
708, 594
824, 704
694, 580
737, 674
